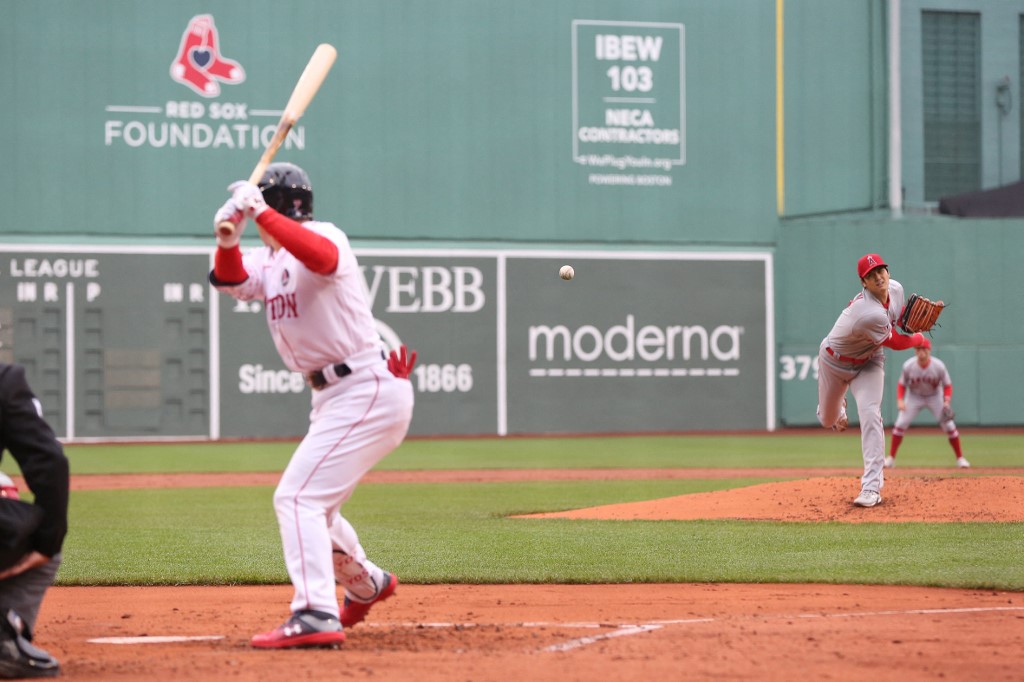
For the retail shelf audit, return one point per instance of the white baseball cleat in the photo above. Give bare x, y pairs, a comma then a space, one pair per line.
962, 463
843, 420
890, 462
868, 498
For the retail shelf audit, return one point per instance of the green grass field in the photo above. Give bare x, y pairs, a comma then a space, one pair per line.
460, 533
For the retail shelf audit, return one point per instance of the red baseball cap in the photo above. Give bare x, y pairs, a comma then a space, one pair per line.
925, 343
868, 263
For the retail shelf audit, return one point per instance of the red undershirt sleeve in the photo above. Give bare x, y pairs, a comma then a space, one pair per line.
901, 391
227, 266
898, 341
315, 251
947, 391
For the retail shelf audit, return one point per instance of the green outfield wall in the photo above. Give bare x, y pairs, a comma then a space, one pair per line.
132, 343
460, 119
712, 168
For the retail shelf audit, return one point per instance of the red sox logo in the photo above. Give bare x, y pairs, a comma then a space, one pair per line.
199, 63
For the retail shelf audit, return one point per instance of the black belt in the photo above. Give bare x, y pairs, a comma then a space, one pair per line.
317, 380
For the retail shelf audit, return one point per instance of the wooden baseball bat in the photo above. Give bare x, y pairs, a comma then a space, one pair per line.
305, 89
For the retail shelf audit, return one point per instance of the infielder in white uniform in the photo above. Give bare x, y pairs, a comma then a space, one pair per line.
319, 316
851, 358
925, 384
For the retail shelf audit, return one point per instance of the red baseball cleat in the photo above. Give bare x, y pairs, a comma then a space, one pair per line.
355, 611
305, 629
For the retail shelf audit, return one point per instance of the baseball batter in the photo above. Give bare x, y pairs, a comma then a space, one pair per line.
320, 319
925, 384
850, 358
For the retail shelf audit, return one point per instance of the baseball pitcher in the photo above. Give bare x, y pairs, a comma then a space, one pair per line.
850, 358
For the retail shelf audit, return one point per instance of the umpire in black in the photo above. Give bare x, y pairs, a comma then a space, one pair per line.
31, 535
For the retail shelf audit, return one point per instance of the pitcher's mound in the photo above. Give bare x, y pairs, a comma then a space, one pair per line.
925, 499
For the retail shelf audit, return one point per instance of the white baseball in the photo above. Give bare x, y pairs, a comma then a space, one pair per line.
566, 272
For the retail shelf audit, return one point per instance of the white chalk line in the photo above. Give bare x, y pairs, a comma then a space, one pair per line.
614, 629
155, 639
628, 629
912, 612
585, 641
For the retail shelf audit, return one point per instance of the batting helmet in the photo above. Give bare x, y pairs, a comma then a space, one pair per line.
286, 188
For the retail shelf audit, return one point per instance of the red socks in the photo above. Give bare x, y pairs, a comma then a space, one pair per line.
896, 440
954, 442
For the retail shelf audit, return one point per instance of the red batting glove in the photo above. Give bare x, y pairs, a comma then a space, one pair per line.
400, 362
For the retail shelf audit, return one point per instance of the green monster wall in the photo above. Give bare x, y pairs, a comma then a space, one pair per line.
458, 119
697, 153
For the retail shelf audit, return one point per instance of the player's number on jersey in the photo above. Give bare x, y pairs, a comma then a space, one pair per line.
444, 378
798, 367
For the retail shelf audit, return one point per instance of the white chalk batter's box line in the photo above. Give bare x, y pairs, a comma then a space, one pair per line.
613, 629
628, 629
632, 372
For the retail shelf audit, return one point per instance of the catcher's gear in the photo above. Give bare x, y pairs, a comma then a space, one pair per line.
287, 190
947, 413
401, 362
920, 314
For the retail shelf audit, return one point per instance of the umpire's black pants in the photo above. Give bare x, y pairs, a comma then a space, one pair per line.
24, 592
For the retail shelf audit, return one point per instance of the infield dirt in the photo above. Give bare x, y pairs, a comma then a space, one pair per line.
586, 632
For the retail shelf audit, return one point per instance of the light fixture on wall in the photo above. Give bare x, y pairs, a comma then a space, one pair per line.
1004, 100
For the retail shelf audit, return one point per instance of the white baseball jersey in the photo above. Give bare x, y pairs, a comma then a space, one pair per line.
925, 390
865, 324
316, 320
925, 381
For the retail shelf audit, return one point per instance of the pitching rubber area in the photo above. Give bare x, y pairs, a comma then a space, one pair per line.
549, 632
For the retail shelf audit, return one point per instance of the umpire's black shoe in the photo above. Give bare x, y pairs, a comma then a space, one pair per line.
18, 658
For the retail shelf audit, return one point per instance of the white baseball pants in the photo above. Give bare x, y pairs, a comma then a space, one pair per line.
354, 424
867, 384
